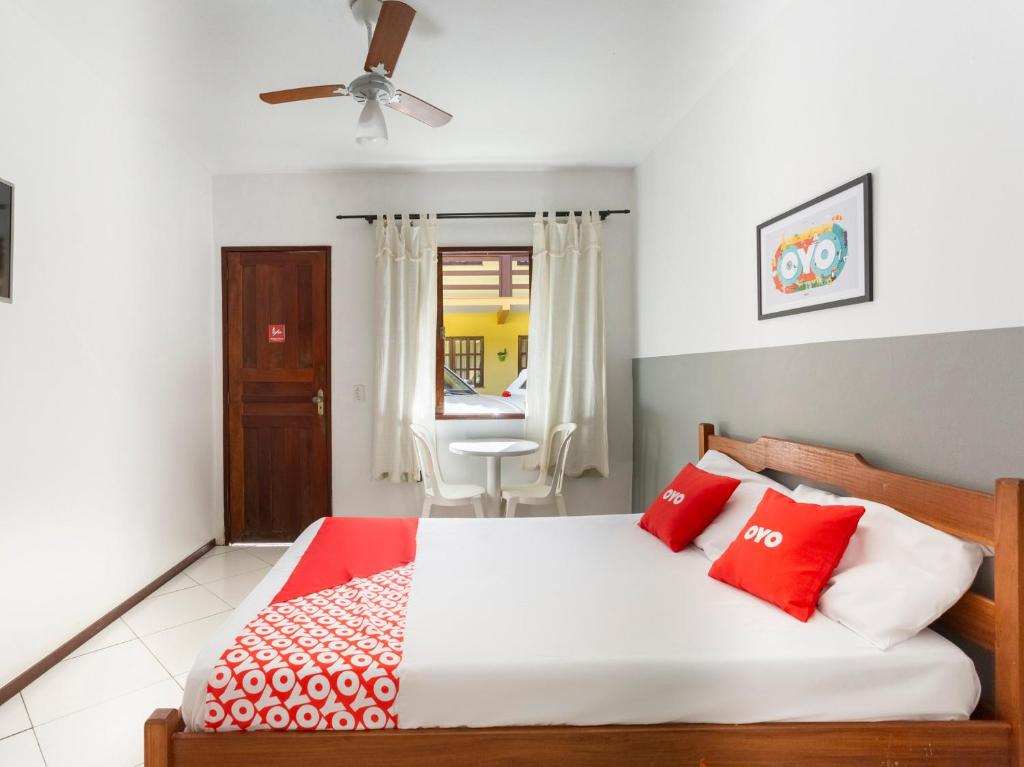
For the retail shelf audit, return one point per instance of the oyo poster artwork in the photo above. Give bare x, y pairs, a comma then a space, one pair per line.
812, 259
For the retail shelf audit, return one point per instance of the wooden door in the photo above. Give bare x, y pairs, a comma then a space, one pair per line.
277, 410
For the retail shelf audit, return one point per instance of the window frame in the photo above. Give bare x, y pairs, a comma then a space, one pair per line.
439, 414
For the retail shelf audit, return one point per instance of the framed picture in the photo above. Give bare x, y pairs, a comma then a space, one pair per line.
817, 255
6, 231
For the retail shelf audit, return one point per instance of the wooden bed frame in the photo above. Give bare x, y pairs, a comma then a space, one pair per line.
984, 741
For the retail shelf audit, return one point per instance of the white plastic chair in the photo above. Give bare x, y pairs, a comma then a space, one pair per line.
437, 492
541, 492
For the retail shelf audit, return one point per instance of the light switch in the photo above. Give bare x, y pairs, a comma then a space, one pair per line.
359, 392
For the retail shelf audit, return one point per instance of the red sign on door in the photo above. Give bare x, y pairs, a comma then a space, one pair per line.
275, 334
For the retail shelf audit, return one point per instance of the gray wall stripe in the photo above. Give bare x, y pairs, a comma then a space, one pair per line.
948, 407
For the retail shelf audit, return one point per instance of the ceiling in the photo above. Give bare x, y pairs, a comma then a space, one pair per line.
532, 83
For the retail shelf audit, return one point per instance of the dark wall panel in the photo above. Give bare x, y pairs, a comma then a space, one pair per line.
948, 407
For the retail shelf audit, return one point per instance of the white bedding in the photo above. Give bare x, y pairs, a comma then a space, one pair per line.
590, 620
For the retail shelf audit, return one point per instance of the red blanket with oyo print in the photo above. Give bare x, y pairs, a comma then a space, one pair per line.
323, 654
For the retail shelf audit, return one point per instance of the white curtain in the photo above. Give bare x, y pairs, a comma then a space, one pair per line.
566, 347
406, 337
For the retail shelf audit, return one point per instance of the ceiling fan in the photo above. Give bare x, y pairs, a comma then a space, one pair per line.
387, 25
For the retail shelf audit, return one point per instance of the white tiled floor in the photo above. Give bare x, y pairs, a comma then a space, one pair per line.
116, 633
176, 648
225, 565
89, 708
236, 588
169, 610
13, 717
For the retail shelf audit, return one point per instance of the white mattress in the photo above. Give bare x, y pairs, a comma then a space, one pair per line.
590, 620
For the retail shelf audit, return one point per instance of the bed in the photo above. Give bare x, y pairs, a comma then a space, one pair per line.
587, 642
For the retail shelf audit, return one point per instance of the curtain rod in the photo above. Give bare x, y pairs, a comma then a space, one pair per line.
371, 217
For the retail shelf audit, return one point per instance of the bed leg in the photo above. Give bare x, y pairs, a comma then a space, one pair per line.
160, 727
1010, 611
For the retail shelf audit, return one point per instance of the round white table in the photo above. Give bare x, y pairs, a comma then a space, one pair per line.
494, 450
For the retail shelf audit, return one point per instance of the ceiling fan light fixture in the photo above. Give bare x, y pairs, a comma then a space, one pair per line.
372, 128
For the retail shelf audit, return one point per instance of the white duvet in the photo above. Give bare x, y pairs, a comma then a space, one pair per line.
590, 620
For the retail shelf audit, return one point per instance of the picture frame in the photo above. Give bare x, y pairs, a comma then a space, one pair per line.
6, 240
817, 255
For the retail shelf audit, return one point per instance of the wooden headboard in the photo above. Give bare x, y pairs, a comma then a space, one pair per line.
994, 520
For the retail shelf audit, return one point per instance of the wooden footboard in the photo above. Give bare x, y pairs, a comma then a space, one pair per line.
884, 744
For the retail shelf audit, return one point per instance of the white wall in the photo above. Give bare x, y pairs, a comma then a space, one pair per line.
300, 210
925, 95
106, 353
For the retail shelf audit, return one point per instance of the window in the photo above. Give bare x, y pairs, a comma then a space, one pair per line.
464, 356
524, 342
483, 318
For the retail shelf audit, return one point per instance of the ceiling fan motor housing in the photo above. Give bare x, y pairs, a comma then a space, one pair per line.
373, 85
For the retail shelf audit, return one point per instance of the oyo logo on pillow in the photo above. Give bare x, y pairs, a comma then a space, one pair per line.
811, 259
762, 535
673, 496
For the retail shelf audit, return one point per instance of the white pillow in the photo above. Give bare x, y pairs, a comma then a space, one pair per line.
897, 576
742, 503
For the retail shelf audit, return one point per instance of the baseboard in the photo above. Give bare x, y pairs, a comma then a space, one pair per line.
25, 678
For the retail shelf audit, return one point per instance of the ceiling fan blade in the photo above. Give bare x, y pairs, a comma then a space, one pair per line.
421, 110
389, 36
304, 94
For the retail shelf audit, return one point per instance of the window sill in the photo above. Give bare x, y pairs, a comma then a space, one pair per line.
481, 417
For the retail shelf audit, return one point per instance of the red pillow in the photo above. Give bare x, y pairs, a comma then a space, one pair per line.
688, 505
787, 551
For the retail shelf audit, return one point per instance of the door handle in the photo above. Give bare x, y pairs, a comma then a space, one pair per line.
319, 400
